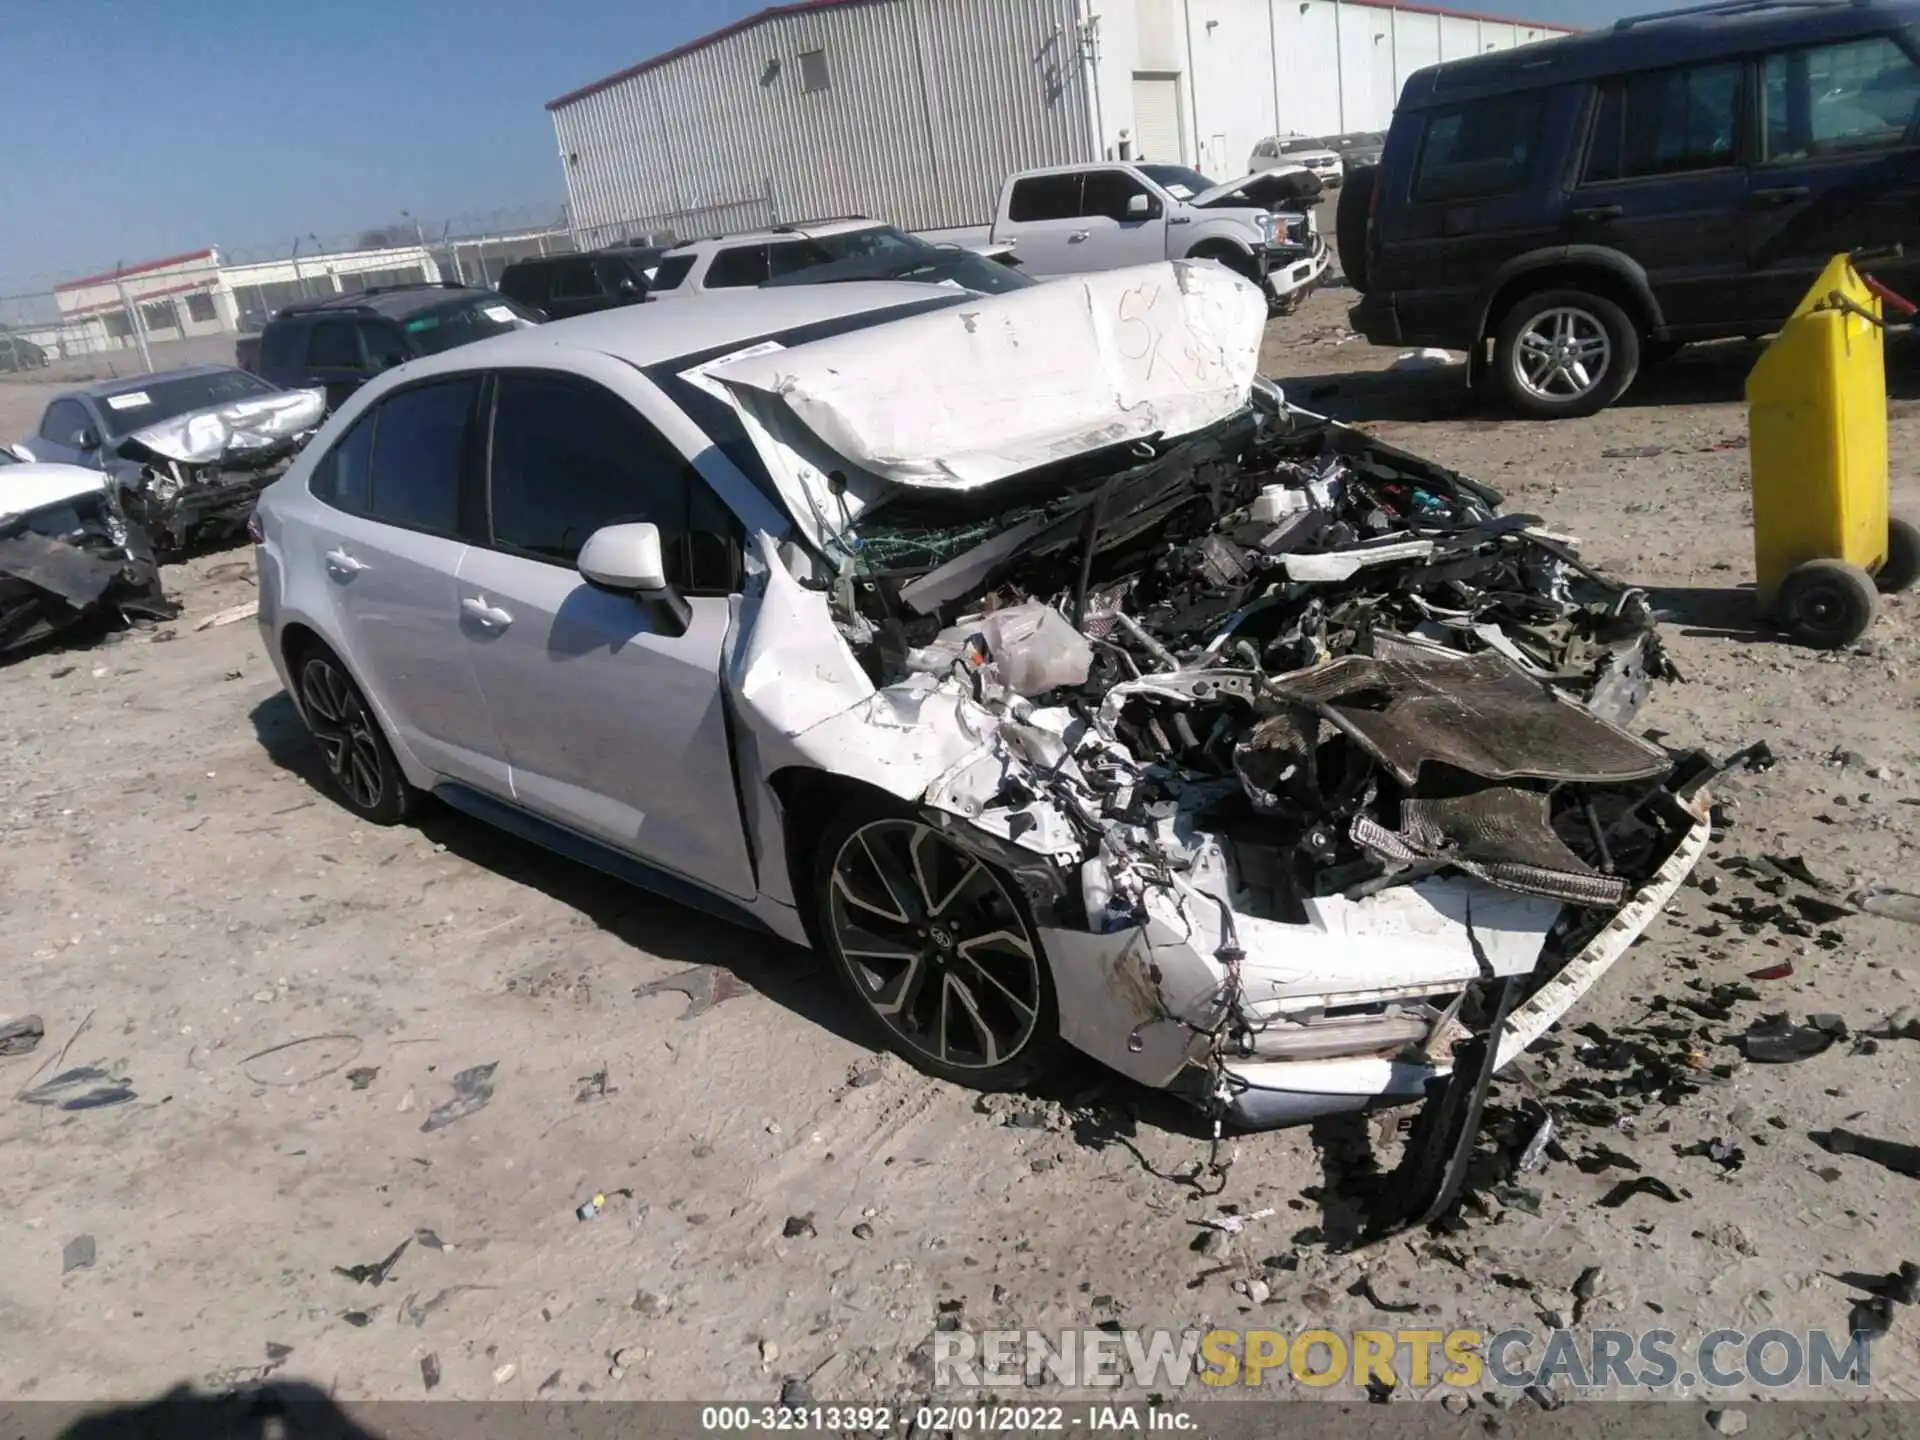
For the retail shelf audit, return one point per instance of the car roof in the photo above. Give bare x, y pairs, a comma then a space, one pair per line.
559, 257
1655, 41
644, 335
396, 303
799, 230
125, 383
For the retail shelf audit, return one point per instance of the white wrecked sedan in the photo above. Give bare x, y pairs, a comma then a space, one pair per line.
1024, 653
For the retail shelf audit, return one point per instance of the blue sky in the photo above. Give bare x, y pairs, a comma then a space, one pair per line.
140, 128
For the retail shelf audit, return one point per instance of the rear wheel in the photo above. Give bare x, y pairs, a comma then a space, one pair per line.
1562, 353
365, 774
937, 949
1902, 565
1350, 223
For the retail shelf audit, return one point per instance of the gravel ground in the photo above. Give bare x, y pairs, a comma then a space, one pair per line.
293, 997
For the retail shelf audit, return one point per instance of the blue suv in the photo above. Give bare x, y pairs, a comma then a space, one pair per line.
1568, 211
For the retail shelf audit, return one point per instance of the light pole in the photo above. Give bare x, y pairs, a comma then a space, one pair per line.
133, 317
298, 279
420, 234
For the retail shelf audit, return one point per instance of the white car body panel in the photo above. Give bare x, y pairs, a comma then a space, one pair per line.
32, 485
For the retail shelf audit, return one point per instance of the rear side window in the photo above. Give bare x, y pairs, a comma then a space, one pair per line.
1478, 150
419, 449
343, 477
569, 458
1856, 97
574, 280
1045, 197
334, 345
671, 271
742, 265
280, 348
1667, 122
526, 283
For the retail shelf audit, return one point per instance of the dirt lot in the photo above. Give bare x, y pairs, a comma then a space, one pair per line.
289, 995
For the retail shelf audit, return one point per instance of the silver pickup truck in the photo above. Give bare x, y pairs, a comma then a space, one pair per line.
1068, 219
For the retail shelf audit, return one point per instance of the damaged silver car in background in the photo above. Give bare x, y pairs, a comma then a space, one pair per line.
1072, 688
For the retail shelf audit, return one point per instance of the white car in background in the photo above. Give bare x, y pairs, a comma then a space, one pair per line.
788, 254
770, 602
1317, 155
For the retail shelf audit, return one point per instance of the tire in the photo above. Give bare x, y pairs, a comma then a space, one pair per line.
366, 777
1827, 604
1545, 383
1902, 565
897, 905
1350, 223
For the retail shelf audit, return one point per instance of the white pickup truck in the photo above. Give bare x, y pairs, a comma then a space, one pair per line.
1073, 218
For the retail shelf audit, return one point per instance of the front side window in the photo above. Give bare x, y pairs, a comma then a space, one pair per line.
1107, 193
741, 266
1044, 197
419, 450
573, 280
334, 345
63, 422
1856, 97
1667, 122
1480, 149
570, 458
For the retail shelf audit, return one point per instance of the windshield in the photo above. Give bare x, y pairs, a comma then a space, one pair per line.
882, 240
920, 263
467, 321
1177, 180
1295, 147
151, 401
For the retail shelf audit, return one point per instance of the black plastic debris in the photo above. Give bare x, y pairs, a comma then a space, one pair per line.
430, 1370
1724, 1153
1896, 1155
472, 1089
86, 1087
374, 1274
1621, 1193
1756, 758
276, 1352
1796, 868
428, 1240
363, 1076
1871, 1317
359, 1319
1390, 1307
593, 1087
77, 1254
1820, 912
1600, 1158
799, 1227
18, 1037
1775, 1040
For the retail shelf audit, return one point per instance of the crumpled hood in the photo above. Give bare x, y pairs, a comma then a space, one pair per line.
1252, 184
27, 488
970, 394
201, 437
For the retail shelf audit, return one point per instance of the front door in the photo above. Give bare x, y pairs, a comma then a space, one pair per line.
1838, 169
390, 545
1663, 183
613, 724
1117, 237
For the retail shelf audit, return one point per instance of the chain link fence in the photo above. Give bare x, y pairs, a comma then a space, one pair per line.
676, 226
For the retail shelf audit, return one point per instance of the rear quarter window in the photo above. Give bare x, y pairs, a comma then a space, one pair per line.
1480, 149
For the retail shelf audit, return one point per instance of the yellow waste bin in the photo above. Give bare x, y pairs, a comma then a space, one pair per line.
1823, 543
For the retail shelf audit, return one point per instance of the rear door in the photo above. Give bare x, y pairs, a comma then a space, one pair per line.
1663, 181
615, 727
1838, 167
1481, 188
1043, 216
400, 507
575, 289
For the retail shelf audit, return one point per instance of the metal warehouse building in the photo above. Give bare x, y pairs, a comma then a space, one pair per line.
916, 110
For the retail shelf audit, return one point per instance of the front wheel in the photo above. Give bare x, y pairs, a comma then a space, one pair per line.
936, 948
1564, 353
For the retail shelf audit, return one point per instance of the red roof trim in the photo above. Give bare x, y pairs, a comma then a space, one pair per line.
140, 269
774, 12
140, 297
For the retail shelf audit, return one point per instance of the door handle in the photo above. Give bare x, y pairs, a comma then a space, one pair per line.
1594, 214
1776, 196
1077, 236
492, 616
341, 563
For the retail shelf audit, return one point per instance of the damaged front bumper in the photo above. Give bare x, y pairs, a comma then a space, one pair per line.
1293, 272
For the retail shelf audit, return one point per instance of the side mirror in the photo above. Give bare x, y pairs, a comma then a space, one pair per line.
88, 438
627, 558
1140, 207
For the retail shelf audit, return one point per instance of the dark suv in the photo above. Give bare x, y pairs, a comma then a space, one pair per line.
1567, 210
339, 343
568, 285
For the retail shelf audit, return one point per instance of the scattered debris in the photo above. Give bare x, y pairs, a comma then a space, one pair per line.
1400, 1307
427, 1240
769, 1352
1887, 903
1896, 1155
1727, 1422
1782, 971
1232, 1222
359, 1319
19, 1037
1427, 359
430, 1370
863, 1231
1902, 1024
1633, 452
654, 1307
472, 1089
246, 610
1586, 1289
593, 1087
1536, 1148
503, 1373
302, 1061
861, 1076
704, 986
799, 1227
85, 1087
374, 1274
364, 1076
1625, 1190
77, 1254
1775, 1040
